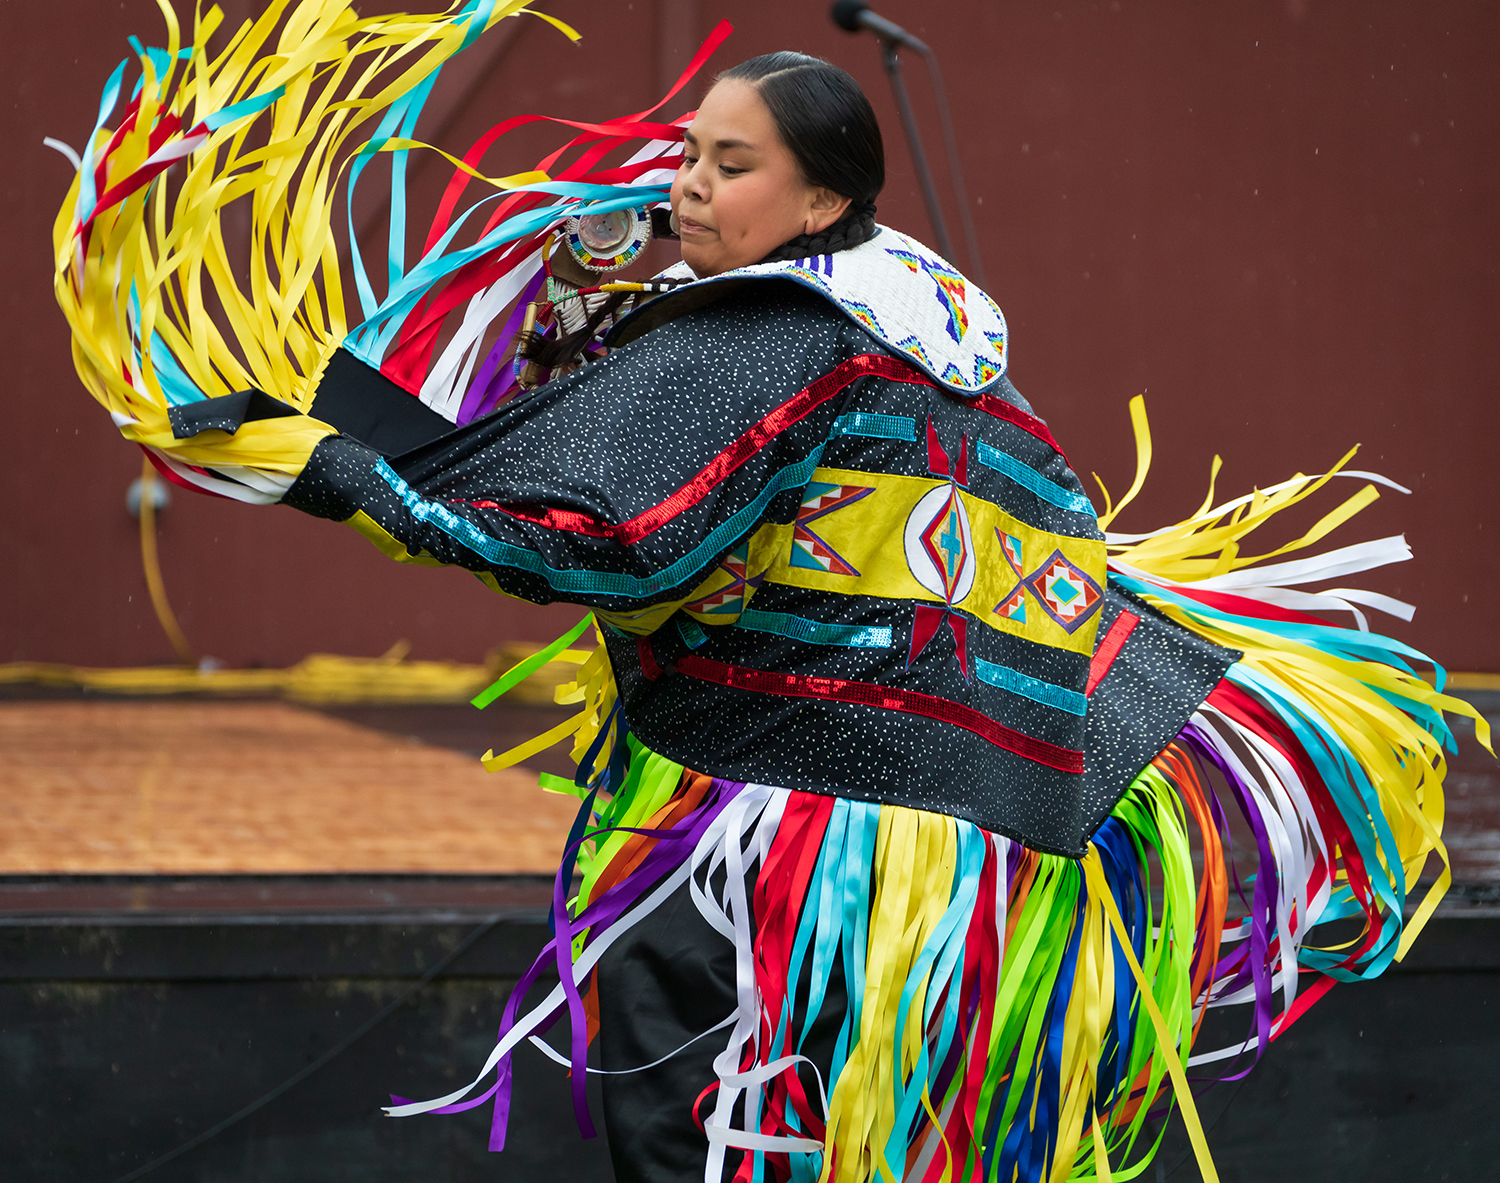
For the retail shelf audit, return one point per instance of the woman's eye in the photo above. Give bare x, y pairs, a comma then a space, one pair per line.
729, 170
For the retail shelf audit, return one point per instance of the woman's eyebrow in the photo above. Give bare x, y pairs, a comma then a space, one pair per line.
692, 139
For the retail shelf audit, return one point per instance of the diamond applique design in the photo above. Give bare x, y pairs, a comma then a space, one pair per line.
951, 289
1065, 593
728, 600
1013, 607
939, 544
809, 551
945, 543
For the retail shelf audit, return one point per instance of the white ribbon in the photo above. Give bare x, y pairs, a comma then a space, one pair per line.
534, 1018
448, 380
59, 146
558, 1058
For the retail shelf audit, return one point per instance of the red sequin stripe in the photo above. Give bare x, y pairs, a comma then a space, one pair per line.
1109, 649
796, 408
553, 519
1001, 409
740, 677
649, 666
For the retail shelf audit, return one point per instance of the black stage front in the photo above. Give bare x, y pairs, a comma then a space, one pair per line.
139, 1012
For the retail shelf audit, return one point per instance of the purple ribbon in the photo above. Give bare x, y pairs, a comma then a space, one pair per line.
1250, 963
485, 391
664, 857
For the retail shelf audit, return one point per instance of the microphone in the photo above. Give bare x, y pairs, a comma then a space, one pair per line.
854, 15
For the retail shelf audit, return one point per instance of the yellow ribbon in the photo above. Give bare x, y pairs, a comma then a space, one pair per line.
1098, 887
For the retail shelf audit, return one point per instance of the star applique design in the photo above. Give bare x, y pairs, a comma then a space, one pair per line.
951, 290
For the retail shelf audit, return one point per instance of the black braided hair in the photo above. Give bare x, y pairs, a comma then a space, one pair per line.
856, 226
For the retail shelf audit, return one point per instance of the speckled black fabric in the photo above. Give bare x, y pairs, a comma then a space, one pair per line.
1150, 692
532, 497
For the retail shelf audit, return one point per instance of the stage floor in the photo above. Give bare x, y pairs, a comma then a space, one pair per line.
91, 786
99, 786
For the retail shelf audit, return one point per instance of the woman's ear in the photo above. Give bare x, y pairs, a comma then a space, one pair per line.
826, 208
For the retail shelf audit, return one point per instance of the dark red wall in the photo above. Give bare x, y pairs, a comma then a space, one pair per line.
1279, 220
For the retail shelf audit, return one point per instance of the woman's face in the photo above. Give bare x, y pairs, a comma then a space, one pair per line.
739, 193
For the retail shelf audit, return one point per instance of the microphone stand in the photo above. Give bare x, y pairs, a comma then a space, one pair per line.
918, 155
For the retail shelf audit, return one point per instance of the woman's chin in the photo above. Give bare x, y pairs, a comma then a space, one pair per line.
702, 259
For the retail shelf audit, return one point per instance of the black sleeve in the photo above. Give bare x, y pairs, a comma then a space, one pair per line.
620, 485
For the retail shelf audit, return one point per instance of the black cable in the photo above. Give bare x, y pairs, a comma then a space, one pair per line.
1227, 1105
892, 62
303, 1073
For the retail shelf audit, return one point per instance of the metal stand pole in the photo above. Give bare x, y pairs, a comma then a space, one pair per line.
918, 156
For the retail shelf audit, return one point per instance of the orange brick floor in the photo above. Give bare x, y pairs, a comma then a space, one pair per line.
184, 787
91, 786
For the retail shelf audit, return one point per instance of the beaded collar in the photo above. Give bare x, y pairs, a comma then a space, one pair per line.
904, 295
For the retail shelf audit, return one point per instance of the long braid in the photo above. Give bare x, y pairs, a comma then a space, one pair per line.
855, 227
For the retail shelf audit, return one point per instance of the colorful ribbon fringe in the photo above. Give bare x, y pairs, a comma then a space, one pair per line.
167, 307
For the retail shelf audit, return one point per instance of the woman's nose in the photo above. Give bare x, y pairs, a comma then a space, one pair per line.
695, 183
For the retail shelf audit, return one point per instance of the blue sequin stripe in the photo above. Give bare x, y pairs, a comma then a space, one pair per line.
607, 583
692, 635
886, 427
1046, 693
1024, 475
815, 632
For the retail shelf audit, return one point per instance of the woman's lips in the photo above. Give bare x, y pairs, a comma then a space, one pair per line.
686, 225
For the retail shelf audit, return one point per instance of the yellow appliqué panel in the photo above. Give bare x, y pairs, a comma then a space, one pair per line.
917, 538
643, 622
386, 542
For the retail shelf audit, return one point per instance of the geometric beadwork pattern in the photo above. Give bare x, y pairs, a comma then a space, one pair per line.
913, 346
985, 371
865, 315
808, 549
950, 289
906, 296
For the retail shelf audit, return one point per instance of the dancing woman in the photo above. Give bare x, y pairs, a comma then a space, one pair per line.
894, 766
